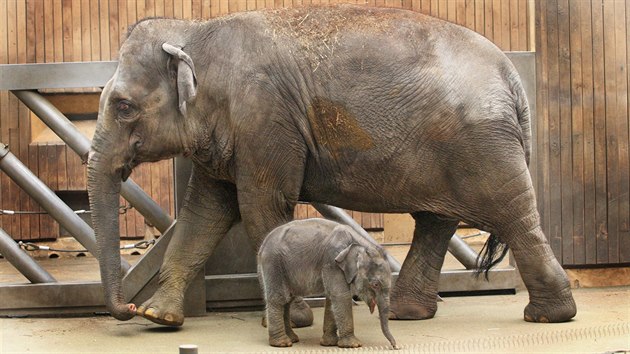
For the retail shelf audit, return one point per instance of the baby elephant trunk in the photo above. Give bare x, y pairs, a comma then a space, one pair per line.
383, 314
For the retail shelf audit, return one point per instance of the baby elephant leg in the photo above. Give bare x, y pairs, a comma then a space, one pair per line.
276, 324
342, 311
330, 337
287, 324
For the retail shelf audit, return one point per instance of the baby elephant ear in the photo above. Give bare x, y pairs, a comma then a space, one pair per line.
186, 77
348, 262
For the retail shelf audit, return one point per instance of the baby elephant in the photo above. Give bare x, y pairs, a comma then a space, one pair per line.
314, 257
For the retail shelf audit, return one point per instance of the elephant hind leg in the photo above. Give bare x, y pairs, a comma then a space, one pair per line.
415, 294
515, 220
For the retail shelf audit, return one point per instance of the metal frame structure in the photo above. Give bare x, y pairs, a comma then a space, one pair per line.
230, 288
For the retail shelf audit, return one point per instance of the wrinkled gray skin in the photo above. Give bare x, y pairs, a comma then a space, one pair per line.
315, 257
376, 110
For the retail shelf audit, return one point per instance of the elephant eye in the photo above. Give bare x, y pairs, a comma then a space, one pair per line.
375, 285
125, 109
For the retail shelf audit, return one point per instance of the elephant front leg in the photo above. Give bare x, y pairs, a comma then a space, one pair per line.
208, 212
415, 294
330, 337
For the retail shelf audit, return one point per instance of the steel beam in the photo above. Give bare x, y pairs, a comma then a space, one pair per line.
22, 261
340, 216
56, 121
56, 75
463, 252
48, 200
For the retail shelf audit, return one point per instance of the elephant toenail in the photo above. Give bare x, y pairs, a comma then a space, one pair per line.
169, 318
150, 313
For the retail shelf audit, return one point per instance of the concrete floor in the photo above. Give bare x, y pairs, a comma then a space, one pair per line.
481, 324
484, 324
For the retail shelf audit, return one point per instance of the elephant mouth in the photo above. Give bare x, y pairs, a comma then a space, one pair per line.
126, 170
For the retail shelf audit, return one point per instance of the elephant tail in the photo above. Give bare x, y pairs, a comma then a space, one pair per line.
491, 254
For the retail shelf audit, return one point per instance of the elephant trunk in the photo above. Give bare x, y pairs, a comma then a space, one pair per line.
383, 313
104, 191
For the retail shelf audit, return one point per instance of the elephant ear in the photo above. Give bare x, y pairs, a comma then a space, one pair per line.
348, 261
186, 77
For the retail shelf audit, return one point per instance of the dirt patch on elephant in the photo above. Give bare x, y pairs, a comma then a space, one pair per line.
336, 129
317, 29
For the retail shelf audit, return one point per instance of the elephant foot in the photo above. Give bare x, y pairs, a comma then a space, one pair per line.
301, 315
550, 311
411, 311
294, 337
282, 341
349, 342
164, 311
329, 340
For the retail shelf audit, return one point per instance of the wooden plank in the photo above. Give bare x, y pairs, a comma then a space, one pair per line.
48, 34
168, 8
590, 230
197, 10
496, 23
132, 16
45, 221
612, 132
86, 37
624, 244
123, 23
67, 31
141, 10
488, 19
566, 163
33, 165
555, 206
103, 30
95, 30
75, 50
599, 113
523, 27
73, 166
479, 12
114, 29
460, 12
470, 14
57, 18
505, 25
159, 8
576, 125
62, 167
623, 163
513, 22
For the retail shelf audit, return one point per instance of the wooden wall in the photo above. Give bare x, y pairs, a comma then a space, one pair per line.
583, 164
40, 31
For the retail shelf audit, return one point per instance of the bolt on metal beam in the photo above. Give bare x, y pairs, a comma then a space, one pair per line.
22, 261
48, 200
64, 128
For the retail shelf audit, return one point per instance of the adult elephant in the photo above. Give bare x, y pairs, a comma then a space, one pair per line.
377, 110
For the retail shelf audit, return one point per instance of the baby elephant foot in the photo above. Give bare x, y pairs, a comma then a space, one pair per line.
281, 341
294, 337
329, 340
349, 342
167, 312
